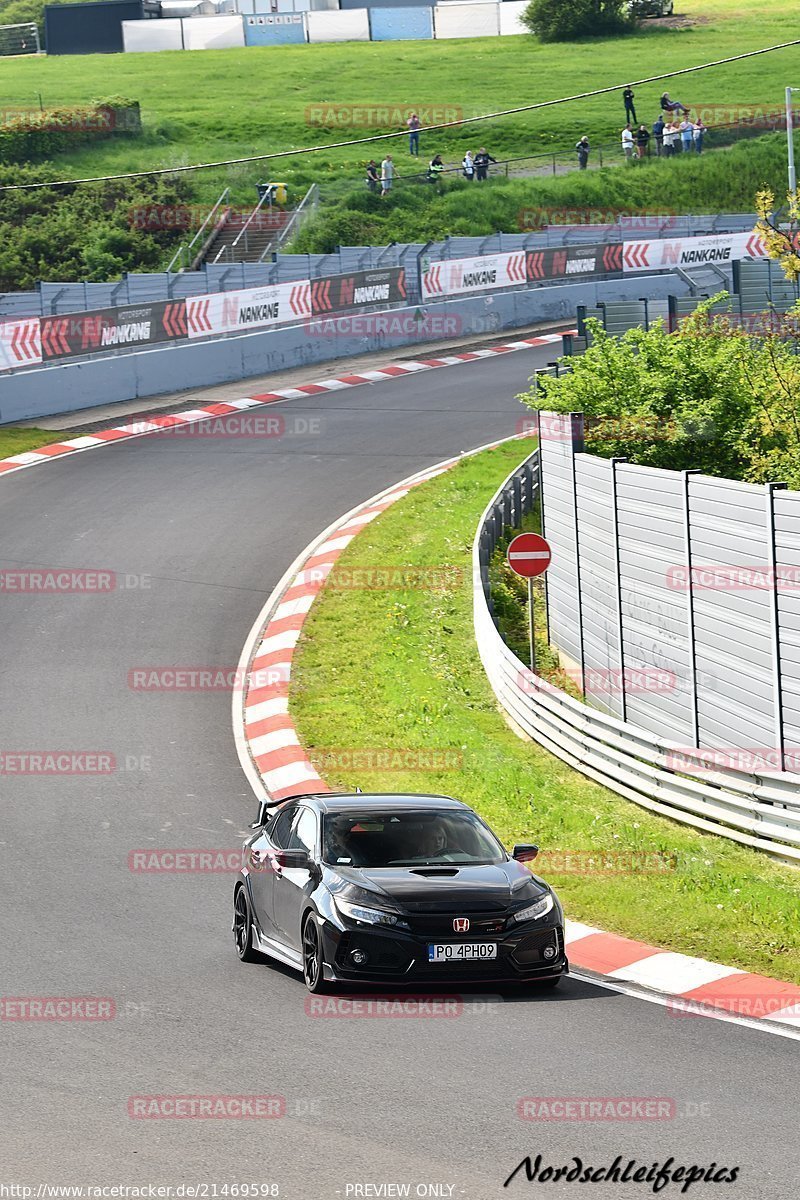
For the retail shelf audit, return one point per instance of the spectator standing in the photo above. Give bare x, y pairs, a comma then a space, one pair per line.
482, 160
414, 125
642, 138
627, 142
435, 168
373, 178
699, 131
658, 133
687, 135
630, 111
468, 166
582, 148
670, 134
387, 175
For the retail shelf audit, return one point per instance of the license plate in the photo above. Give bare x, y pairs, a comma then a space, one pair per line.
461, 951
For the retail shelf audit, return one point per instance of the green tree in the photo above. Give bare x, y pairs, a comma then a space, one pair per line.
565, 20
708, 396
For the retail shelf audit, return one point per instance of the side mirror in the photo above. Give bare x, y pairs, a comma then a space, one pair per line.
292, 859
263, 813
524, 852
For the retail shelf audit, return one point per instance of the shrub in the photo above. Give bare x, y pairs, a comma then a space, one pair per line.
81, 232
565, 20
33, 136
707, 397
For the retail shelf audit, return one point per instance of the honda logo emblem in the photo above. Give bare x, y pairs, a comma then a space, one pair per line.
461, 924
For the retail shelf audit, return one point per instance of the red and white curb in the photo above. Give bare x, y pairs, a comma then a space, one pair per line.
277, 766
191, 416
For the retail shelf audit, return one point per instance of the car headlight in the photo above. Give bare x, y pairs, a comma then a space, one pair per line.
370, 916
534, 911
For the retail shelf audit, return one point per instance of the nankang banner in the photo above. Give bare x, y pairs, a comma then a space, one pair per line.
493, 272
460, 276
358, 290
570, 262
112, 329
253, 308
660, 254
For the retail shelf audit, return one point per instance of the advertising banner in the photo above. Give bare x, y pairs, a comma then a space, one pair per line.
20, 343
566, 262
253, 308
460, 276
492, 272
113, 328
660, 254
358, 290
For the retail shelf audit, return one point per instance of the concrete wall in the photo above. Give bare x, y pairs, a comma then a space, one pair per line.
65, 388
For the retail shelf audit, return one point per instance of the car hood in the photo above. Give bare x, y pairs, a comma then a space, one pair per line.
432, 889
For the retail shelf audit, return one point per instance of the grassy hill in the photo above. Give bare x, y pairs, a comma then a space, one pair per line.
220, 104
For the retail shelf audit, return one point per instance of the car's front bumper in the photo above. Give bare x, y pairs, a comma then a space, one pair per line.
401, 958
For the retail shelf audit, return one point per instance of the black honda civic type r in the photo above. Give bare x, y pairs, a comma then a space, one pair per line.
399, 889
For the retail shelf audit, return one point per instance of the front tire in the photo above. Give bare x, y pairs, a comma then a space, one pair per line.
243, 928
312, 957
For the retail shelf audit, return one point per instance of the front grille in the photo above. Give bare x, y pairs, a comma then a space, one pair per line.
529, 950
440, 925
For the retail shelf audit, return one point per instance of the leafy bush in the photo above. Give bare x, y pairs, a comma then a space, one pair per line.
565, 20
81, 232
33, 136
707, 396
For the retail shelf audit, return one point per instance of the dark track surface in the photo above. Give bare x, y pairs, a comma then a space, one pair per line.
209, 526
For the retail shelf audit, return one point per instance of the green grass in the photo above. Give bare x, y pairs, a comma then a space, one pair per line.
382, 669
17, 441
230, 103
725, 181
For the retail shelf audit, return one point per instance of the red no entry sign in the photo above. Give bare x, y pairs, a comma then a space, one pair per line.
529, 555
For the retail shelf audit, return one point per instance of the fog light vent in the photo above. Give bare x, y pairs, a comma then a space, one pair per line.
359, 957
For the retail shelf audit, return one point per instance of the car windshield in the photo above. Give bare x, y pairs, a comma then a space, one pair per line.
405, 839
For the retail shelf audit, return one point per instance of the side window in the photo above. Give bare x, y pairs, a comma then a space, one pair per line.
279, 833
304, 832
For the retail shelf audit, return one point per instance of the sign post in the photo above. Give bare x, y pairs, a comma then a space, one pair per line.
529, 555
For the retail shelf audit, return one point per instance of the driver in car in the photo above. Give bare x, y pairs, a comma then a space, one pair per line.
433, 842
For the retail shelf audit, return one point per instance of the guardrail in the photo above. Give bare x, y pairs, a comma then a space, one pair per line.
757, 810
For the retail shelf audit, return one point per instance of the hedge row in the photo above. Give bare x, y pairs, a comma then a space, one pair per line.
31, 136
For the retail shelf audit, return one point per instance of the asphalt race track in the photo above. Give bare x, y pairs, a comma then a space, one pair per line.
200, 530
